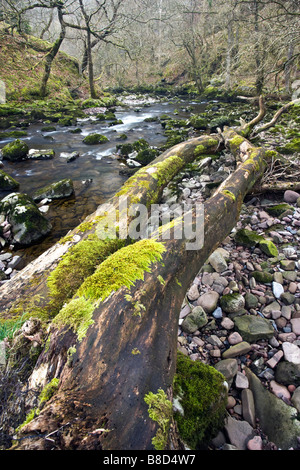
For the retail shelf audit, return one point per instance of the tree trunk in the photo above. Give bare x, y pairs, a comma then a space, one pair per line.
52, 54
130, 347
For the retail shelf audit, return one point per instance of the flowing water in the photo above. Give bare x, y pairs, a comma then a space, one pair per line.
96, 172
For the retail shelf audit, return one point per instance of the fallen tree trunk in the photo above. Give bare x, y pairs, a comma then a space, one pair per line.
29, 289
125, 344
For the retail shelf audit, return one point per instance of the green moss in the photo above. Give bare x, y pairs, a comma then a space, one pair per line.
203, 396
279, 209
263, 276
77, 315
122, 268
15, 150
95, 139
77, 264
248, 237
29, 417
48, 391
235, 142
160, 411
268, 247
229, 194
7, 183
167, 168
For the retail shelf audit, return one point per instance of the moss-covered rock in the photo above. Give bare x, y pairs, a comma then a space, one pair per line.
201, 392
232, 303
59, 190
268, 247
95, 139
146, 156
279, 209
263, 276
253, 328
15, 151
194, 320
248, 238
7, 183
28, 224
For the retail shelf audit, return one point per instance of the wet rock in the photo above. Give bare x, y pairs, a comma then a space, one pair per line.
15, 151
28, 224
59, 190
7, 183
34, 154
295, 400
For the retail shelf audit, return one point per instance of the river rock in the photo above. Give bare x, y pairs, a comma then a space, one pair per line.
28, 224
35, 154
15, 151
253, 328
228, 368
217, 261
7, 183
276, 418
277, 289
291, 352
232, 303
208, 301
295, 322
59, 190
295, 400
239, 432
237, 350
194, 320
291, 196
248, 406
288, 373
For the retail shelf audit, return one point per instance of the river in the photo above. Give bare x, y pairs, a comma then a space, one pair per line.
96, 173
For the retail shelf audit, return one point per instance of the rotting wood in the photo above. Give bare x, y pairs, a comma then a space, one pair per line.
106, 383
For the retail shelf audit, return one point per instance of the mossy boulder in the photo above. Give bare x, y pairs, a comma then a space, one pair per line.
15, 151
95, 139
201, 393
146, 156
58, 190
7, 183
232, 303
28, 223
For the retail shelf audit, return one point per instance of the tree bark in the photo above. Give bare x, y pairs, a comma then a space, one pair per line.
100, 401
53, 52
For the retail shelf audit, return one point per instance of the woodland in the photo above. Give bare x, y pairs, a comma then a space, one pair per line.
94, 351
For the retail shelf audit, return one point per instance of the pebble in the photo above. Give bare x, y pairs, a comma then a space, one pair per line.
223, 346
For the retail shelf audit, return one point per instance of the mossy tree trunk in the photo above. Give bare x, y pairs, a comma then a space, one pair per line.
130, 342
